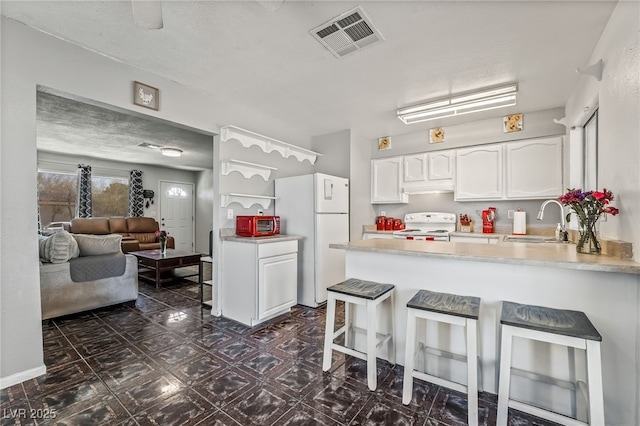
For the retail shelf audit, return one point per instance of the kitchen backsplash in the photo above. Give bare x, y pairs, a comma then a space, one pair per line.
444, 203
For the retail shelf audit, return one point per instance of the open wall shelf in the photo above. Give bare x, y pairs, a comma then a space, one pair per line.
267, 144
246, 200
246, 169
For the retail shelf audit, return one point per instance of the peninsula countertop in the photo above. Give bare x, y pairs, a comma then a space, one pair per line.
555, 255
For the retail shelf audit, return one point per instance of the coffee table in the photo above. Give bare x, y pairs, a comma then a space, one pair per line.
159, 268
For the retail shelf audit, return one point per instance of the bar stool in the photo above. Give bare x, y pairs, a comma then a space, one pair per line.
561, 327
364, 293
451, 309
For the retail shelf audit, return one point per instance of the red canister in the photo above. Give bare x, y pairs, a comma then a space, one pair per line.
380, 223
397, 223
388, 225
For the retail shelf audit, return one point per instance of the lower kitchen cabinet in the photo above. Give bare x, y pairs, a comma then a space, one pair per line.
259, 279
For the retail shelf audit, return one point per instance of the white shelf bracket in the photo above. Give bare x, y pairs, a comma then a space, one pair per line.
246, 169
267, 144
246, 200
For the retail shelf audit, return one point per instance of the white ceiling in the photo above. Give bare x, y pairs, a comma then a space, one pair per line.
246, 56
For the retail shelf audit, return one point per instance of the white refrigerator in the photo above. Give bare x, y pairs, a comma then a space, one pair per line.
316, 207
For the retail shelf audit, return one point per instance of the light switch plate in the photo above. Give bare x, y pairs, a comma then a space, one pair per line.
510, 214
383, 213
229, 213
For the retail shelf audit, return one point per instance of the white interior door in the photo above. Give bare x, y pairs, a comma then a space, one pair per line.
176, 213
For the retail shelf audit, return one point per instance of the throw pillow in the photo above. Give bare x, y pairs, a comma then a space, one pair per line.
95, 245
58, 248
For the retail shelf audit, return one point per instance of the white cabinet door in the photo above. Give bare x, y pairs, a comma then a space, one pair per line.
534, 168
441, 165
386, 181
277, 284
479, 173
415, 168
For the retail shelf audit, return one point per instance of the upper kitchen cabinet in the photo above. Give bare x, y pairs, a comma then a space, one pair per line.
441, 165
523, 170
479, 173
534, 168
428, 172
386, 181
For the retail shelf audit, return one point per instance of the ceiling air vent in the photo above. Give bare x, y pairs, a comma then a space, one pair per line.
347, 33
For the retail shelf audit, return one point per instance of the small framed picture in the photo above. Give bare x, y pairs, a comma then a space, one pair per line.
384, 143
512, 123
146, 96
436, 135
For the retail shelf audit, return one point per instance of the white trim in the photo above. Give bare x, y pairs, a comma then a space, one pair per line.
22, 376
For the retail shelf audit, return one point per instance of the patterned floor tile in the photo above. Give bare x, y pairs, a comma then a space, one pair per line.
262, 405
225, 386
337, 399
58, 378
183, 408
450, 407
168, 361
98, 411
101, 344
379, 411
150, 390
303, 415
124, 374
198, 369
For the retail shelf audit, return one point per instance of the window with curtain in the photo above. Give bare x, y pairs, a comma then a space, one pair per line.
57, 196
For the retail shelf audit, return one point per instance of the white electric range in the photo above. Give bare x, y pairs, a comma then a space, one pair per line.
432, 226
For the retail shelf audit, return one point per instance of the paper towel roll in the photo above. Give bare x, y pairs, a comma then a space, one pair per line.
519, 223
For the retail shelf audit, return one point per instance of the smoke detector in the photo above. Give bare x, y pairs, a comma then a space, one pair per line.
347, 33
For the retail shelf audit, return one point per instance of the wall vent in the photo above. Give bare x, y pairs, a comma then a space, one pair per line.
347, 33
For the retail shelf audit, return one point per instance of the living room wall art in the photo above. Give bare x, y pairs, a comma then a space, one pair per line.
146, 96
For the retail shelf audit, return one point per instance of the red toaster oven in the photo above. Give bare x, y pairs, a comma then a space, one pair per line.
257, 226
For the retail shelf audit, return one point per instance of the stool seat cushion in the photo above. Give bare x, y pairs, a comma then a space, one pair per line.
359, 288
549, 320
445, 303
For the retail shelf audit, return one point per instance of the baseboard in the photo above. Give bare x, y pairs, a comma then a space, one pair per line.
22, 376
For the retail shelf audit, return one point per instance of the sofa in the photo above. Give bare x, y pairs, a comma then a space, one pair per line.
138, 233
83, 272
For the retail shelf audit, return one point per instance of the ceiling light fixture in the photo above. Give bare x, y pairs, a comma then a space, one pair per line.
171, 152
497, 97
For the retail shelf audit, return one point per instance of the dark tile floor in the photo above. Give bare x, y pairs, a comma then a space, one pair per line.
166, 361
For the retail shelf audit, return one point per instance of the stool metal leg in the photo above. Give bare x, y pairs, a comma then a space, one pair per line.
409, 356
328, 332
594, 373
372, 341
505, 376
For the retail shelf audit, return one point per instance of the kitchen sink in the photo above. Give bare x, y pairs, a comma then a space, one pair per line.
529, 239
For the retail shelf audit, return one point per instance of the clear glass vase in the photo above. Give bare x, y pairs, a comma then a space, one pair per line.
588, 240
163, 246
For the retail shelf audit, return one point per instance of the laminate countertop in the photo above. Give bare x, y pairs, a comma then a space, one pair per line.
555, 255
261, 240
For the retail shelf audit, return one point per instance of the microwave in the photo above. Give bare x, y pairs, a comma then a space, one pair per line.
257, 226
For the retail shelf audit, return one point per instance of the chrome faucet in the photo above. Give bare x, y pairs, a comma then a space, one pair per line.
563, 233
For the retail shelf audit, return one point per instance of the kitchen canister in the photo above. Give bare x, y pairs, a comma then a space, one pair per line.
519, 222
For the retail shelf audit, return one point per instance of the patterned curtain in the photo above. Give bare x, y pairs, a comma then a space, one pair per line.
38, 205
136, 199
83, 208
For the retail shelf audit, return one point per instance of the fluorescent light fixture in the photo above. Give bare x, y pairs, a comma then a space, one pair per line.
497, 97
171, 152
